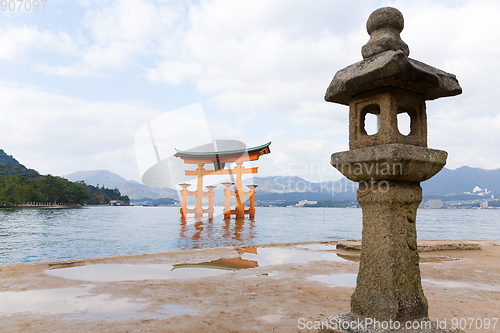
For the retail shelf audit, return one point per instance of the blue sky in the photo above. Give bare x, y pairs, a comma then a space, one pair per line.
81, 77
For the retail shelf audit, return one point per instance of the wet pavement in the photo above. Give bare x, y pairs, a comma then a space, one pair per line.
266, 287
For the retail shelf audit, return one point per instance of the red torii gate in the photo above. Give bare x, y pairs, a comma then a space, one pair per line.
219, 159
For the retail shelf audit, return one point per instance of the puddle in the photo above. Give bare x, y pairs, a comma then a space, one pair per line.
248, 258
261, 257
127, 272
336, 280
79, 303
464, 285
269, 256
73, 300
230, 264
317, 247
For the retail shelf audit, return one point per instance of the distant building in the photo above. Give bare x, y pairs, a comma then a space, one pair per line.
435, 203
302, 203
478, 191
483, 204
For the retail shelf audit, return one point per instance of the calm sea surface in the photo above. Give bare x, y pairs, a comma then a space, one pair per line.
31, 235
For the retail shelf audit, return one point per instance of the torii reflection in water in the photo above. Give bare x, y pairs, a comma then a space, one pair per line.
204, 233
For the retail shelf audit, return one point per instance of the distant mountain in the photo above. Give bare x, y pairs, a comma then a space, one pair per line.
451, 183
156, 202
132, 189
7, 159
296, 189
290, 188
10, 166
462, 183
462, 180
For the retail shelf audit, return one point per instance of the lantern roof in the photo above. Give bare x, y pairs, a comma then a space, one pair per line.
386, 64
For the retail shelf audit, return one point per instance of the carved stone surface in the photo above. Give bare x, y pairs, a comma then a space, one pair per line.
388, 285
391, 69
386, 64
390, 162
384, 26
387, 103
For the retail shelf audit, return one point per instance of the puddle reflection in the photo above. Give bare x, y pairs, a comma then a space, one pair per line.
230, 264
268, 256
71, 300
247, 258
127, 272
79, 303
171, 310
336, 280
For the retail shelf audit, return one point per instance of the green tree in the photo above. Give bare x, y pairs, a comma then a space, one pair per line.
12, 191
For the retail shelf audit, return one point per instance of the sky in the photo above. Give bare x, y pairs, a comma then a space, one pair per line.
81, 78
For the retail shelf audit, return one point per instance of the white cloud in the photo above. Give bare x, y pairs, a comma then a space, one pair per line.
111, 35
262, 66
67, 71
252, 62
470, 140
18, 42
174, 72
57, 134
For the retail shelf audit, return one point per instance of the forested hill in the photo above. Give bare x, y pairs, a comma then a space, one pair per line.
10, 166
20, 185
7, 159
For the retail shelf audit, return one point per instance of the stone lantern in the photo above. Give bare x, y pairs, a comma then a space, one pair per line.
388, 165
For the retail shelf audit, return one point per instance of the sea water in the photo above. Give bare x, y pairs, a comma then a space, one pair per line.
34, 235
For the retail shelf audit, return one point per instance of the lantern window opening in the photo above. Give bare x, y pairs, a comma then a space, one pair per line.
371, 120
405, 120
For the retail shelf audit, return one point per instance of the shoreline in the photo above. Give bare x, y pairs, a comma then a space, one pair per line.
290, 282
348, 244
42, 206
